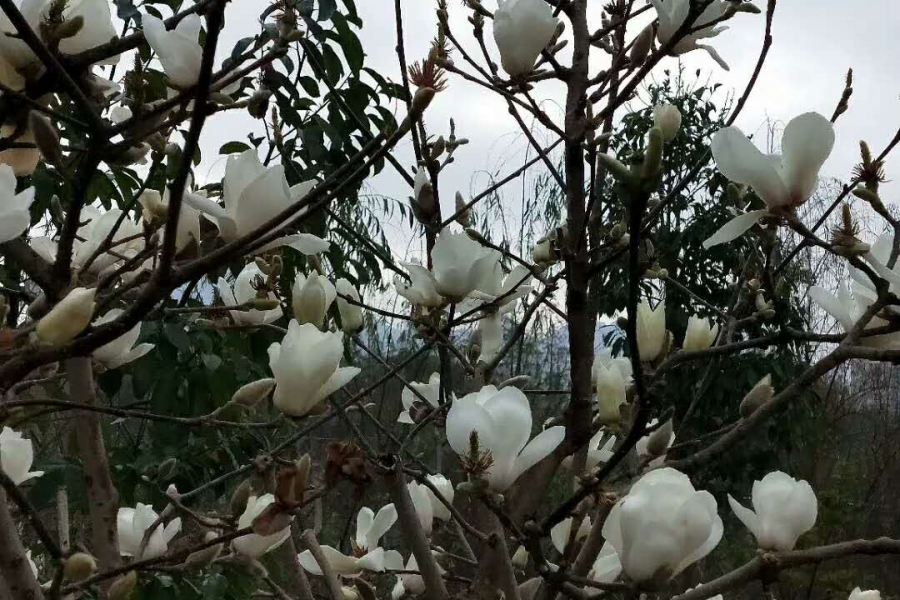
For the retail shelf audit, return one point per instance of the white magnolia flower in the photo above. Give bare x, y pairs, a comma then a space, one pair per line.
311, 298
561, 532
409, 583
243, 292
421, 289
445, 487
499, 291
119, 113
611, 377
502, 421
253, 544
351, 314
461, 264
134, 522
598, 453
782, 182
672, 14
178, 49
607, 566
121, 350
522, 28
858, 594
68, 318
255, 195
699, 334
306, 366
651, 330
421, 499
97, 29
369, 530
430, 391
783, 510
663, 525
15, 217
668, 118
16, 456
96, 228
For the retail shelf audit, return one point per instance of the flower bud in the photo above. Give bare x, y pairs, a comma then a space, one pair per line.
667, 118
68, 318
641, 47
252, 393
202, 558
757, 397
660, 440
616, 168
238, 502
542, 253
309, 302
520, 558
421, 100
699, 335
464, 216
424, 204
265, 304
653, 155
351, 314
258, 105
123, 587
167, 469
46, 138
154, 208
610, 393
79, 567
69, 28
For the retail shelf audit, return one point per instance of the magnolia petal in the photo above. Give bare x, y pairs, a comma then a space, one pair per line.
538, 449
734, 228
833, 306
384, 520
741, 161
745, 515
805, 145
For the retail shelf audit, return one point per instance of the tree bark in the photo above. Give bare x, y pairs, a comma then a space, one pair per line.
18, 579
103, 498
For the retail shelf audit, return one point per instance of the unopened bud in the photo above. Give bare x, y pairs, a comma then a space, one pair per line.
438, 148
421, 100
202, 558
261, 264
641, 47
46, 138
757, 397
520, 558
69, 28
258, 105
79, 567
123, 587
475, 235
660, 440
239, 497
616, 168
68, 318
221, 99
746, 7
251, 394
518, 381
464, 215
167, 469
868, 195
542, 253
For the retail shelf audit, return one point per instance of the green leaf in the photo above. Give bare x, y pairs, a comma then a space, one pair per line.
233, 148
326, 9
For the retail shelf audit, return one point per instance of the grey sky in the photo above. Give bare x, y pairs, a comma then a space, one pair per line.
815, 42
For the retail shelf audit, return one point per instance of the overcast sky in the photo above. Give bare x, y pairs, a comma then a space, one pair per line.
815, 42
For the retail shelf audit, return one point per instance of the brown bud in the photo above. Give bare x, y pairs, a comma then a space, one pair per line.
46, 138
202, 558
69, 28
239, 497
660, 439
79, 567
265, 303
123, 587
642, 44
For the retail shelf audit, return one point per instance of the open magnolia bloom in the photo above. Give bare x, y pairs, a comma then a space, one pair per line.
178, 49
522, 28
254, 195
121, 350
156, 208
97, 29
16, 456
662, 525
306, 366
598, 453
783, 181
611, 377
15, 217
499, 291
243, 292
461, 265
562, 531
134, 522
651, 330
311, 298
367, 554
783, 510
94, 231
412, 404
421, 289
501, 422
253, 544
672, 14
